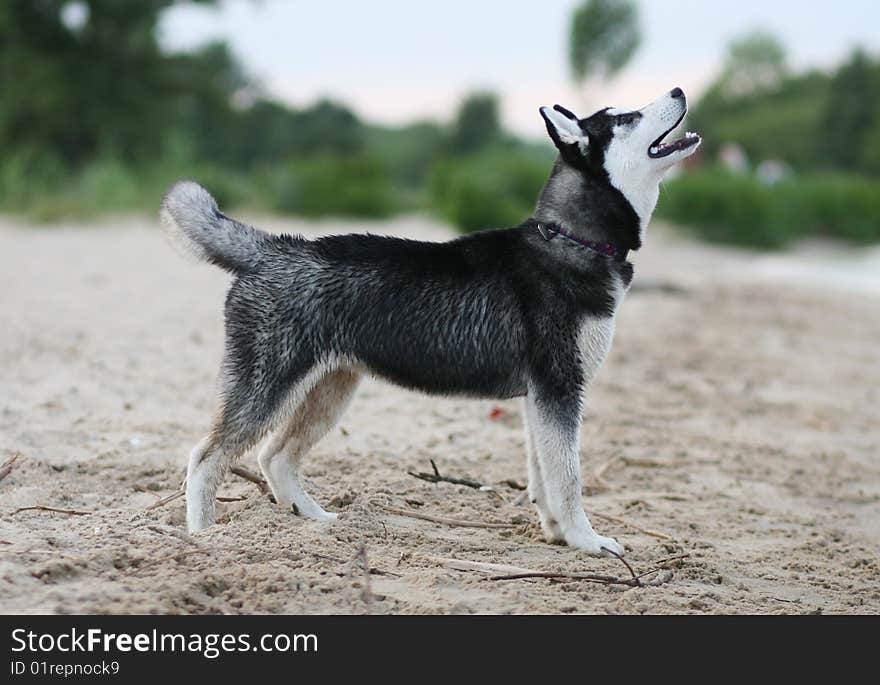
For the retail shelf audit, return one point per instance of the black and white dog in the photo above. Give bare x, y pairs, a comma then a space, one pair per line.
519, 312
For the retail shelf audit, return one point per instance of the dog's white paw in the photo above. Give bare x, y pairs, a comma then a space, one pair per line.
311, 510
607, 545
597, 545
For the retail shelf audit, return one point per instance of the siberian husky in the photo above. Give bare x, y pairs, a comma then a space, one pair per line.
518, 312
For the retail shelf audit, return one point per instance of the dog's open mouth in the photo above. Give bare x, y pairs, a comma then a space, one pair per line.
660, 149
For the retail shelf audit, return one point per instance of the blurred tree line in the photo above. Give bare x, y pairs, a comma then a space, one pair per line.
824, 127
811, 121
88, 78
96, 117
93, 110
79, 85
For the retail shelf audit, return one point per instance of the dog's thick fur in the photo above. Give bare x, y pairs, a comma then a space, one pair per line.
498, 314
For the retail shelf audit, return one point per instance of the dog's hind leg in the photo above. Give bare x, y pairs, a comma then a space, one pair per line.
208, 464
281, 457
245, 415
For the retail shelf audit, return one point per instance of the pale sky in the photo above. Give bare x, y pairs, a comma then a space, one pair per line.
393, 61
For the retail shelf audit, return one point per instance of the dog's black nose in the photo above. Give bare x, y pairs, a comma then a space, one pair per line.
677, 93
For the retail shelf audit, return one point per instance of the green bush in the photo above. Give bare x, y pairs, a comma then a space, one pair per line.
25, 178
491, 190
844, 206
47, 190
109, 185
54, 192
331, 186
738, 209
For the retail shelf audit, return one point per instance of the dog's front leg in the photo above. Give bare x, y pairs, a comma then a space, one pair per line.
537, 491
555, 429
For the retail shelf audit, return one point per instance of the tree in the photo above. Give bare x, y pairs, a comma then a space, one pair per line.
780, 124
201, 87
755, 103
755, 63
477, 124
852, 111
604, 37
87, 77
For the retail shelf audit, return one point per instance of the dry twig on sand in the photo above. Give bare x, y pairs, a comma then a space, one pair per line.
589, 577
478, 566
630, 524
515, 573
623, 561
8, 465
664, 463
254, 478
633, 581
239, 471
661, 564
180, 493
141, 488
40, 507
165, 500
446, 521
595, 480
437, 478
654, 463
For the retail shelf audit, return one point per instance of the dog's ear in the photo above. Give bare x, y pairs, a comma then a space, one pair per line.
565, 131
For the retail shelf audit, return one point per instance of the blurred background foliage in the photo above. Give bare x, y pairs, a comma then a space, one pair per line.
805, 151
95, 117
604, 37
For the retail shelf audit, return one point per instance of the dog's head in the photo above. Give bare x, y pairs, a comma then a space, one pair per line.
628, 148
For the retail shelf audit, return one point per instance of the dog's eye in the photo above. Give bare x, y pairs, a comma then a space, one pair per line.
625, 119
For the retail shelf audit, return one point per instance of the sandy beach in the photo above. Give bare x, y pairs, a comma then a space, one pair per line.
736, 422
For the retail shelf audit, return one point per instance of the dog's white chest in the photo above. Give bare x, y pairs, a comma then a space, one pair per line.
594, 341
595, 338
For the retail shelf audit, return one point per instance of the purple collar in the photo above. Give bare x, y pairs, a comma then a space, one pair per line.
550, 231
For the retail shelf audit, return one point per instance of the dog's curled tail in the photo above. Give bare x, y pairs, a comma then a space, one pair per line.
190, 216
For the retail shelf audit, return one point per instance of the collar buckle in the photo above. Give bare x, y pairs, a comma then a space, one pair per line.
547, 233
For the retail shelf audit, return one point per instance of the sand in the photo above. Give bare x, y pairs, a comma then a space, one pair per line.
737, 415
